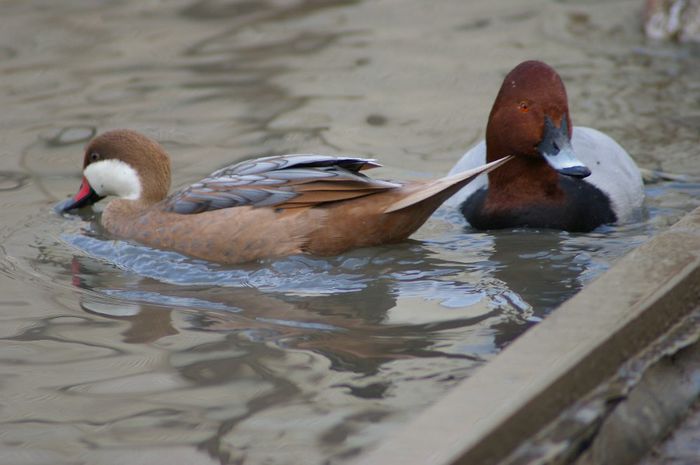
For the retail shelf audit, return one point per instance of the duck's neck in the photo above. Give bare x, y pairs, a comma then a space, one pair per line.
522, 181
121, 215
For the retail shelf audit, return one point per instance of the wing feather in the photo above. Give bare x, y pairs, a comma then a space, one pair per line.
288, 181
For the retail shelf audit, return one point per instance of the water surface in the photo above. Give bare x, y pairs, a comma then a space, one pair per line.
111, 352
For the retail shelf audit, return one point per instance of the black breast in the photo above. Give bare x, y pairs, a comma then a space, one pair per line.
585, 208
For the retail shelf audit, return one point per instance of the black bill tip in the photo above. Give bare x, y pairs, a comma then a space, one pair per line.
576, 171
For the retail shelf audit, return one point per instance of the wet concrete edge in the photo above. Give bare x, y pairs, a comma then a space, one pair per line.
581, 345
648, 411
622, 418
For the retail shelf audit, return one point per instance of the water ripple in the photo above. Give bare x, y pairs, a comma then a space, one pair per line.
295, 275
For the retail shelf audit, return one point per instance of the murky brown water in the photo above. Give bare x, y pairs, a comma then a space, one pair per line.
113, 353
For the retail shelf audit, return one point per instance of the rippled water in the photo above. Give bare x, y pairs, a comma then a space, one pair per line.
111, 352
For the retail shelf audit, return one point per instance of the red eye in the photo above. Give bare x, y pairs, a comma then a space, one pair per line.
523, 107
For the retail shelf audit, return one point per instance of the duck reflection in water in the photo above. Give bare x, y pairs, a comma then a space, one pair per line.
539, 267
351, 331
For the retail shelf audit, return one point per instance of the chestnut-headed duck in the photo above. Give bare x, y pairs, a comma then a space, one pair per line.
267, 207
561, 177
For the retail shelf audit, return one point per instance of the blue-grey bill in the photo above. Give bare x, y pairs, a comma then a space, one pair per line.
565, 162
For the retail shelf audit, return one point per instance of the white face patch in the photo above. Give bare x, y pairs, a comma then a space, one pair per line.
114, 177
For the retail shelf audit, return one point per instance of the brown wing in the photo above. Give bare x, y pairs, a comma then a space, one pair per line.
285, 181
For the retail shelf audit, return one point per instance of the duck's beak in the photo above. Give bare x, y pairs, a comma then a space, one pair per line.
557, 150
86, 196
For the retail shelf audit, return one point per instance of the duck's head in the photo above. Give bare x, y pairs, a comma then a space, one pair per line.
530, 119
125, 164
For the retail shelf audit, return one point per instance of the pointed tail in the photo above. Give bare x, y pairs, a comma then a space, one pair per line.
456, 181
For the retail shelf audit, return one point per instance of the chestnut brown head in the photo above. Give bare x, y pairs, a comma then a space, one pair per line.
530, 119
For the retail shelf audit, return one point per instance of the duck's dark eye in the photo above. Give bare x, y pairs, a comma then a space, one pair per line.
523, 106
94, 156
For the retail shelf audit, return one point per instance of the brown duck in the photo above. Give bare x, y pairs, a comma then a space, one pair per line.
267, 207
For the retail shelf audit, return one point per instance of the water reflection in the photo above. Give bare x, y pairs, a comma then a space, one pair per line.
301, 302
542, 254
279, 344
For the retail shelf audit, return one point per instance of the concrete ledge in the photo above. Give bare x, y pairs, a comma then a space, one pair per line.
648, 411
560, 360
